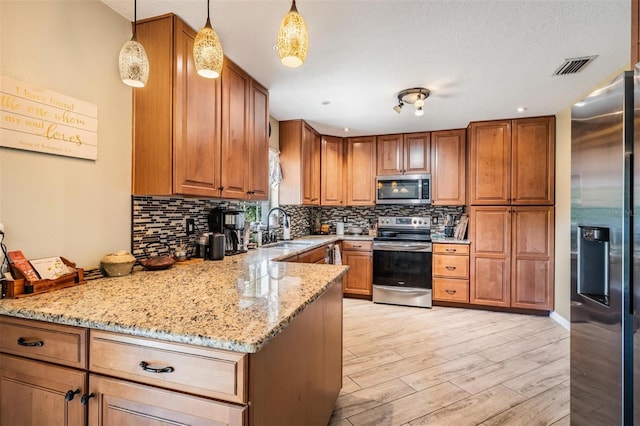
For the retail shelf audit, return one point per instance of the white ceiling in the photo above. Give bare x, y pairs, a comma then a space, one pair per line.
481, 59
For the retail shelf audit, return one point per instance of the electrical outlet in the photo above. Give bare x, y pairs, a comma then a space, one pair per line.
191, 226
434, 220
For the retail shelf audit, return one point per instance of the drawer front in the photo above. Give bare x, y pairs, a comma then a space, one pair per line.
194, 369
117, 402
313, 256
357, 245
451, 248
60, 344
448, 290
450, 266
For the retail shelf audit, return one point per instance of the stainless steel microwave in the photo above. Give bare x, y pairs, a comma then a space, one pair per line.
403, 189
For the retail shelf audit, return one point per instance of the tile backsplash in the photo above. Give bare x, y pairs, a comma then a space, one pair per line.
158, 223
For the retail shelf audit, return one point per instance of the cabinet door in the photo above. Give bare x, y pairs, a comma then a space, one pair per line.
235, 130
533, 161
196, 130
448, 167
417, 153
490, 233
117, 403
153, 112
533, 255
258, 172
390, 155
359, 279
361, 169
33, 393
331, 175
310, 166
489, 163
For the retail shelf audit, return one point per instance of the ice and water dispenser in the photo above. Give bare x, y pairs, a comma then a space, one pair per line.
593, 263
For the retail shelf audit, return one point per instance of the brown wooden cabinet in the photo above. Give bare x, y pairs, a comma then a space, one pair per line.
512, 256
176, 116
189, 137
451, 272
35, 393
361, 171
512, 162
359, 256
300, 162
448, 167
332, 171
408, 153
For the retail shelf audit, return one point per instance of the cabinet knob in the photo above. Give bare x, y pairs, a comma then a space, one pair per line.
85, 398
70, 394
221, 188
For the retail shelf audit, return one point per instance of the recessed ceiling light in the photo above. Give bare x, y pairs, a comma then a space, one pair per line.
346, 129
580, 104
521, 109
325, 102
275, 47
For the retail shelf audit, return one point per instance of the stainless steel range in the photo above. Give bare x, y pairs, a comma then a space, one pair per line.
402, 261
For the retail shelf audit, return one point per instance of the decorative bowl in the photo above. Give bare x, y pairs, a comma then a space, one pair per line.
117, 264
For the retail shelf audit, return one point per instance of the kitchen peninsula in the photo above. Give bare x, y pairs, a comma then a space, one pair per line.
246, 340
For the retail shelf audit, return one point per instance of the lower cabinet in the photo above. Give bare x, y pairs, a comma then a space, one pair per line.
451, 272
38, 393
512, 256
117, 402
359, 256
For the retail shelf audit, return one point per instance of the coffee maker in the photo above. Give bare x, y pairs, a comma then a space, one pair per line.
231, 224
234, 231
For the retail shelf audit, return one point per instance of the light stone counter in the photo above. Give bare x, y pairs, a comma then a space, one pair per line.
448, 240
238, 304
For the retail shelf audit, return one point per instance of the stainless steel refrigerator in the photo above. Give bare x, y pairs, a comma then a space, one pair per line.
605, 256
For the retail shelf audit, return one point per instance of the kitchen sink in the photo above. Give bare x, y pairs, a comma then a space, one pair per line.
289, 244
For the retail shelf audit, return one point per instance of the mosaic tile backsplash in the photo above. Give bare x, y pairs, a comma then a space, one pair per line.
158, 223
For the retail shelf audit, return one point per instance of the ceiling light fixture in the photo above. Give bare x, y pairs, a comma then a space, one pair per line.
293, 38
207, 51
133, 61
415, 97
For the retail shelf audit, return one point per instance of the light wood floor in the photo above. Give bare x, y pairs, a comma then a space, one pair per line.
450, 366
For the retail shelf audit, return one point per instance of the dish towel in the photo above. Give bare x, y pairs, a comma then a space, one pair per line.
275, 171
337, 259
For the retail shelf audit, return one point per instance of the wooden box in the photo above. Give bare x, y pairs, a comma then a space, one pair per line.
19, 287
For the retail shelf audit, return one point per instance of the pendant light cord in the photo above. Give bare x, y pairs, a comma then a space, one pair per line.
135, 18
208, 1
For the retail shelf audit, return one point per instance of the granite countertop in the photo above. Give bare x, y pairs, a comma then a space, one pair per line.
448, 240
237, 304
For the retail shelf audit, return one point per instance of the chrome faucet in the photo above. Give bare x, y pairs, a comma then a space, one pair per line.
286, 223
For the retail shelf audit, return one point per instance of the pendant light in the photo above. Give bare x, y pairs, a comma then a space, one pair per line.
133, 60
207, 51
293, 38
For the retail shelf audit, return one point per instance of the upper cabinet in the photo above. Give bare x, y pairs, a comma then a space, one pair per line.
361, 171
258, 173
404, 154
181, 120
512, 162
300, 162
332, 171
448, 168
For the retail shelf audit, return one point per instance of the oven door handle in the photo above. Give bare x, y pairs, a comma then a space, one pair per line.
402, 290
402, 247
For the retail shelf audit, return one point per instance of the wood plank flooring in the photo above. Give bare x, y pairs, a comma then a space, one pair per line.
449, 366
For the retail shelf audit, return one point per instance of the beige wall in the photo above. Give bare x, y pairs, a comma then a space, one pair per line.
60, 206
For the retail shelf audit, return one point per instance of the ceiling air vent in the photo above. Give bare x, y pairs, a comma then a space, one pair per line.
574, 65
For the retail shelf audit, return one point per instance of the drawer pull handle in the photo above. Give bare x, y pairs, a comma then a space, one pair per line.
145, 367
450, 250
450, 291
450, 268
70, 394
24, 342
85, 398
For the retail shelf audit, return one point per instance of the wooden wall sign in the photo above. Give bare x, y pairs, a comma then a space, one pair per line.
37, 119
